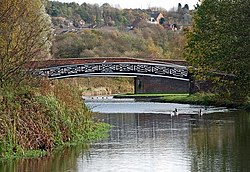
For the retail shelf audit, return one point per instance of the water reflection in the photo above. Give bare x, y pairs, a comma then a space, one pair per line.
64, 160
221, 145
141, 142
156, 142
147, 142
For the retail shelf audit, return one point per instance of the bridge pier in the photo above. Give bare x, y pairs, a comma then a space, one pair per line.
146, 84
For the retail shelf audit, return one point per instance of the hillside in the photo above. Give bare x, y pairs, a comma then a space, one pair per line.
89, 30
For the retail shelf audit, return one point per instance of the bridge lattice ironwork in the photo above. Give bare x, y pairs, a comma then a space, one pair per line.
115, 68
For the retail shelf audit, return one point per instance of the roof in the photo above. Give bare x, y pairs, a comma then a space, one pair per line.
155, 15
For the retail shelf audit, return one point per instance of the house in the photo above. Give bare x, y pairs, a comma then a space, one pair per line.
156, 18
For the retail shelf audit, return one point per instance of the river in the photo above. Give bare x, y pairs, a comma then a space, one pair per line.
145, 138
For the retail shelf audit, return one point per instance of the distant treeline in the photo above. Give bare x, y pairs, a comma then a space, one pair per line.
108, 15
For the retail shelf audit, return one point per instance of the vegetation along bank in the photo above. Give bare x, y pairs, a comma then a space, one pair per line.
37, 115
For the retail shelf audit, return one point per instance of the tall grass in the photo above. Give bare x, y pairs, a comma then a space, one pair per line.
44, 117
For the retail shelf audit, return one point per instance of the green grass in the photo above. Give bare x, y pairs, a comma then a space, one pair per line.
194, 98
197, 98
204, 99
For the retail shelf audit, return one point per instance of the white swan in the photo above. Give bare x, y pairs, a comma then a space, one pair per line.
200, 113
174, 113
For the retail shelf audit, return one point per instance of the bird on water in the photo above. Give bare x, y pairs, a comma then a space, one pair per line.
200, 113
174, 113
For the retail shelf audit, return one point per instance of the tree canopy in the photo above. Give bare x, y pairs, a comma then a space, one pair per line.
108, 15
218, 46
24, 36
150, 41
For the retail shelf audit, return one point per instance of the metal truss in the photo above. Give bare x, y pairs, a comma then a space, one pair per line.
115, 69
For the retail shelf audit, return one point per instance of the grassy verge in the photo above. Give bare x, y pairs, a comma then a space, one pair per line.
36, 120
204, 99
198, 98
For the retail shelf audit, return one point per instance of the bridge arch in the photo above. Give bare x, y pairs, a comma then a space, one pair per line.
143, 71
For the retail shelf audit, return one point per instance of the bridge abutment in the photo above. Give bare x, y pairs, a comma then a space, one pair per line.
145, 84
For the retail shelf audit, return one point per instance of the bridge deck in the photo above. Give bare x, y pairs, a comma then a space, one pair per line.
75, 61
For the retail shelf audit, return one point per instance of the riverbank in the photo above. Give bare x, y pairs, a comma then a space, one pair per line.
37, 120
198, 99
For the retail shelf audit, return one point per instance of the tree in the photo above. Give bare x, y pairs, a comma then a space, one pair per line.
25, 31
162, 20
186, 7
218, 46
179, 9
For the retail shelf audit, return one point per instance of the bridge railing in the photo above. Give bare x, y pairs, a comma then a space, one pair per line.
115, 69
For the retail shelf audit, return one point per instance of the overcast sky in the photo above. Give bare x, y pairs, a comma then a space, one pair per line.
167, 4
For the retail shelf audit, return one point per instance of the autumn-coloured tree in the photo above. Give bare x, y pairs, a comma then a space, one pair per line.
25, 31
24, 36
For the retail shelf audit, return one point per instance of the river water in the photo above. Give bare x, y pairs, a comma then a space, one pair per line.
145, 138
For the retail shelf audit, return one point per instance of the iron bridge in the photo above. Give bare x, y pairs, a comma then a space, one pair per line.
131, 69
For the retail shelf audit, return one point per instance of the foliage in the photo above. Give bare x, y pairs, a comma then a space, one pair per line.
106, 15
218, 47
112, 36
43, 118
24, 36
34, 114
151, 41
